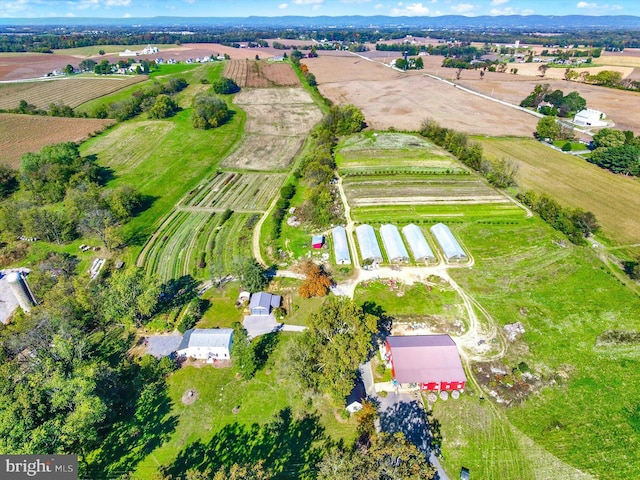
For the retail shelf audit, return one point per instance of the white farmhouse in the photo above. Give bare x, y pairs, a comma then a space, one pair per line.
590, 118
149, 50
206, 344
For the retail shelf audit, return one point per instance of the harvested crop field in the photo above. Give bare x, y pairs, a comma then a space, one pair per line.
402, 101
264, 152
18, 66
614, 199
278, 120
20, 134
615, 103
71, 91
260, 74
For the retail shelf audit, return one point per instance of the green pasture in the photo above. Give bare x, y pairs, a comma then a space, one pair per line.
200, 427
575, 146
565, 298
164, 167
431, 214
411, 302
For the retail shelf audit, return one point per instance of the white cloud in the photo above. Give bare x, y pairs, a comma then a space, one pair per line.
596, 6
118, 3
282, 6
316, 7
462, 8
308, 2
411, 9
499, 2
378, 6
356, 1
504, 11
126, 15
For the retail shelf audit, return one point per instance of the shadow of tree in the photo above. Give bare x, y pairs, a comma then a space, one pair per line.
263, 347
177, 293
384, 321
289, 447
409, 418
131, 440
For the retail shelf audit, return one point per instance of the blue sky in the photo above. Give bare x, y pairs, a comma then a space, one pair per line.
244, 8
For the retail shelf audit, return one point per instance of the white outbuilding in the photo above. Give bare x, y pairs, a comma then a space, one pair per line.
393, 245
206, 343
590, 118
369, 248
418, 243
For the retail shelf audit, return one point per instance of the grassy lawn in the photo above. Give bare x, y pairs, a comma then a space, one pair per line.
565, 298
614, 199
258, 400
412, 301
575, 146
222, 311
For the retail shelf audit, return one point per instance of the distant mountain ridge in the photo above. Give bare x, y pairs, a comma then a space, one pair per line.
522, 22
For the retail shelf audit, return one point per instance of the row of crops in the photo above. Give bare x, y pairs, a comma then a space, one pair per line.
240, 192
190, 241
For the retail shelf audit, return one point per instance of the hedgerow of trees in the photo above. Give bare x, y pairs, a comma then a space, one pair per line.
225, 86
563, 106
616, 151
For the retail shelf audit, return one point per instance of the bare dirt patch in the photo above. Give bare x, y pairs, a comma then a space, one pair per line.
273, 95
260, 74
20, 134
32, 65
190, 396
264, 152
71, 91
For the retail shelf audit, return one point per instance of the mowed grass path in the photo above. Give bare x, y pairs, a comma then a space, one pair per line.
572, 181
165, 164
565, 298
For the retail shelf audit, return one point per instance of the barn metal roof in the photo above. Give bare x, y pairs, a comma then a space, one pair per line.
265, 300
340, 245
417, 243
206, 337
425, 358
450, 246
392, 241
369, 248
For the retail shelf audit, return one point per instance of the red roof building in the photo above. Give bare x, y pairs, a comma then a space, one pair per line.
430, 361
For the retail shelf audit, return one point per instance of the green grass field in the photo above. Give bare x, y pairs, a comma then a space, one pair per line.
614, 199
565, 298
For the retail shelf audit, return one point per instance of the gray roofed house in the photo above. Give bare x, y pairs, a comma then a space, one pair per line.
262, 303
418, 243
209, 343
448, 243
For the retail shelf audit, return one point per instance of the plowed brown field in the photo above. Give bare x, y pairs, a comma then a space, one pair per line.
20, 134
260, 74
71, 91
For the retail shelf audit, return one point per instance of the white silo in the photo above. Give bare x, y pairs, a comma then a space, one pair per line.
21, 290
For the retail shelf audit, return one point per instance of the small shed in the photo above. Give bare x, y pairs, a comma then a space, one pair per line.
317, 241
206, 343
356, 397
340, 246
262, 303
464, 473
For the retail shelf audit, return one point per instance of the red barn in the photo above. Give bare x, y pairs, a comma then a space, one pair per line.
431, 361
